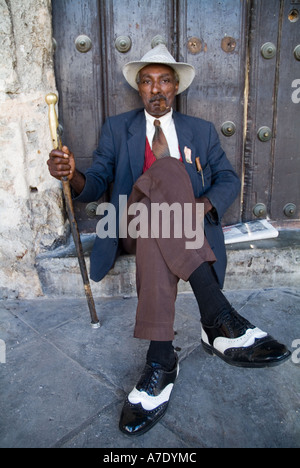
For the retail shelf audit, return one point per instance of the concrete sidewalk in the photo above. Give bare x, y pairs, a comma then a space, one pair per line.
63, 383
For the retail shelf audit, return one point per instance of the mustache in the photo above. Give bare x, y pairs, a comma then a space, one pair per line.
158, 98
162, 102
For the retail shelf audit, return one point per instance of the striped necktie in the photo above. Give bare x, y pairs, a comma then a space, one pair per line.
160, 147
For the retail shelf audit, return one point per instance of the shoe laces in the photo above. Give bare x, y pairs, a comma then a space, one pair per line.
235, 323
149, 378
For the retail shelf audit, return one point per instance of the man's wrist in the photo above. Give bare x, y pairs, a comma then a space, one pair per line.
77, 182
207, 205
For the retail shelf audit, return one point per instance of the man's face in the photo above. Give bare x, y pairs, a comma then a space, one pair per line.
157, 88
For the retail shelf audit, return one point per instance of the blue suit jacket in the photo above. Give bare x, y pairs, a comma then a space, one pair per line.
119, 158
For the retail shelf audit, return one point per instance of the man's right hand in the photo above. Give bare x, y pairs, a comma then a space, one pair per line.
61, 163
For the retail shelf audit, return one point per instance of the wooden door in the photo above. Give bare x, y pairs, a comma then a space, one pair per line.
272, 158
212, 36
235, 87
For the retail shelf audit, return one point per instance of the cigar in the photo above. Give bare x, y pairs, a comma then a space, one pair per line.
162, 105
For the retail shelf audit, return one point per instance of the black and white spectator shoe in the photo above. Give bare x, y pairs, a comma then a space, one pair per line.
239, 343
148, 401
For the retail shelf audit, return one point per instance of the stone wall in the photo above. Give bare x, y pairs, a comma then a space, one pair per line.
30, 200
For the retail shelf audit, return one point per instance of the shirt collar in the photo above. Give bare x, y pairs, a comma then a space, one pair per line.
165, 120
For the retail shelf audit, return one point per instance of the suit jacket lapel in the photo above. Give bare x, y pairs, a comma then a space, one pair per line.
136, 144
185, 137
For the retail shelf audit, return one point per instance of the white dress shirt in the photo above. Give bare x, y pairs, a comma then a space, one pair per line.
168, 127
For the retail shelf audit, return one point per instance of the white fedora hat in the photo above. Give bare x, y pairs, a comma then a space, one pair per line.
160, 54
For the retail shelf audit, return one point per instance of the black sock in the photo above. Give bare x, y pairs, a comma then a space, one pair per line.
161, 352
208, 294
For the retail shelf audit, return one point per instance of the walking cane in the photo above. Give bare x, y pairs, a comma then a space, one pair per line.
51, 100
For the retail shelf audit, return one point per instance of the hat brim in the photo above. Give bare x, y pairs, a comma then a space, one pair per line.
185, 72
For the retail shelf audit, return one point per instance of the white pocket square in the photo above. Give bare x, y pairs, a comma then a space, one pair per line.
188, 155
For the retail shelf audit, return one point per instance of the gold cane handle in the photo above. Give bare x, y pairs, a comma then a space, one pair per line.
51, 100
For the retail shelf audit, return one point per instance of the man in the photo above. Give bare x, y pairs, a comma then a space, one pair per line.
155, 155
